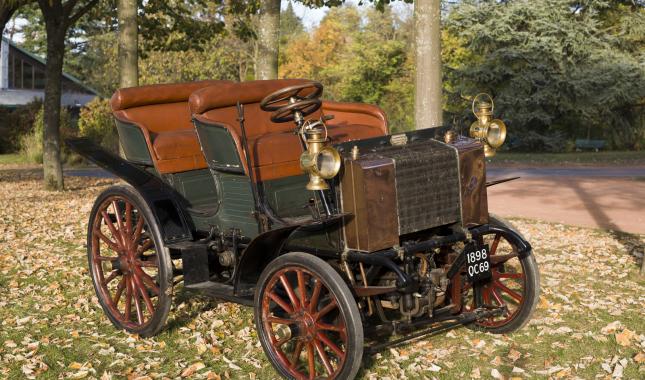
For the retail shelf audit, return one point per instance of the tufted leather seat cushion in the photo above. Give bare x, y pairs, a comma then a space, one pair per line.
162, 113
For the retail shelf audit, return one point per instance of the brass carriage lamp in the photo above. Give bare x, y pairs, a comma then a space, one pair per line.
319, 161
491, 132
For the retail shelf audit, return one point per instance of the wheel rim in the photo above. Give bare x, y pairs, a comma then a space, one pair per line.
124, 262
303, 325
507, 287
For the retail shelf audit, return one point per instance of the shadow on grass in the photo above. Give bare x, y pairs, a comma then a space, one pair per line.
181, 318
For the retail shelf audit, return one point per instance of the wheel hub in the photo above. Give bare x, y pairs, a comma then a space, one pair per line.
308, 323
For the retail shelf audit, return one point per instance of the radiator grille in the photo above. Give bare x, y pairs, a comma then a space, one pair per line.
427, 184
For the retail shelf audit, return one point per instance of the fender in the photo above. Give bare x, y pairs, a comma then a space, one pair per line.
163, 200
267, 246
524, 248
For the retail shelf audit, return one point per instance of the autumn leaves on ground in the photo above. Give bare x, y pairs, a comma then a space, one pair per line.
589, 324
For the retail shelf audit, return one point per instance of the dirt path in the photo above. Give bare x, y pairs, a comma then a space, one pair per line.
598, 202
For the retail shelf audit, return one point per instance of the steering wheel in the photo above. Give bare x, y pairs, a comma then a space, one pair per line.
285, 103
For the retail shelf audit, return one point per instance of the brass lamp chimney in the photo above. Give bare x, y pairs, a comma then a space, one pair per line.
319, 161
491, 132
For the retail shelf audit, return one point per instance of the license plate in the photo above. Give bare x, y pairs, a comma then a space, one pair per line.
477, 263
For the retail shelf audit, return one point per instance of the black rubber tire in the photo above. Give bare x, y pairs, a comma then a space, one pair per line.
165, 273
531, 294
346, 303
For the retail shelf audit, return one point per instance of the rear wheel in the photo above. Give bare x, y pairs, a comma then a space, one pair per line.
307, 319
130, 267
515, 284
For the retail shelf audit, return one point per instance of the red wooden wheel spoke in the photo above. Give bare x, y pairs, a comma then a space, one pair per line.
311, 361
325, 339
147, 279
290, 292
149, 262
137, 302
128, 218
501, 259
296, 353
128, 299
137, 230
114, 246
145, 246
104, 258
119, 291
111, 277
110, 225
325, 310
497, 297
325, 326
282, 303
486, 296
517, 276
323, 357
302, 288
509, 291
313, 302
280, 321
117, 212
283, 341
493, 247
144, 293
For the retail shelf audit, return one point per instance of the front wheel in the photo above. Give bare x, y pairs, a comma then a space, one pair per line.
307, 319
515, 284
129, 264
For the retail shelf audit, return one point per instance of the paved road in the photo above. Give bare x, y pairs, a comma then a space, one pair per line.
604, 197
607, 198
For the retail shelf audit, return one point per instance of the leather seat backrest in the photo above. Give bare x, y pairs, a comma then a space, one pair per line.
219, 104
158, 108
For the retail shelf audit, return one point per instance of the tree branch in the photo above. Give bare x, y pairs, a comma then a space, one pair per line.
81, 12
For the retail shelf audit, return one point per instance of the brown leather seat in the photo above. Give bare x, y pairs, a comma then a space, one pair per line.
162, 113
274, 149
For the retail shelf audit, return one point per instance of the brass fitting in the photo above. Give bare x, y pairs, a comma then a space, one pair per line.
319, 161
491, 132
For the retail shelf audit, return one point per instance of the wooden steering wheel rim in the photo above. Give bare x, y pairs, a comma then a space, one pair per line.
269, 102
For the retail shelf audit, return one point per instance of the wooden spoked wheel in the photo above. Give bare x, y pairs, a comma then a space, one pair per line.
128, 263
514, 285
307, 319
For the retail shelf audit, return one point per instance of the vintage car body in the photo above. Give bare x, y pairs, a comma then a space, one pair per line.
222, 198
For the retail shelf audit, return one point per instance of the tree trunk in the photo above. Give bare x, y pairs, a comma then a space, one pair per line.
427, 105
52, 166
128, 43
5, 15
268, 40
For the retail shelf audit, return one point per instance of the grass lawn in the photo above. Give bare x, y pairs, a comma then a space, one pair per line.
589, 322
606, 158
12, 158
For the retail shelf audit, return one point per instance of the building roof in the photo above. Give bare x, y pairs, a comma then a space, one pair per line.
44, 62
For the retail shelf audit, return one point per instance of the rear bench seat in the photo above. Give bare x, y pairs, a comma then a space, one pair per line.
274, 149
163, 116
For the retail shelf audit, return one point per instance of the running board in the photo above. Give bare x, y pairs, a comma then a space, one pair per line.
219, 290
456, 321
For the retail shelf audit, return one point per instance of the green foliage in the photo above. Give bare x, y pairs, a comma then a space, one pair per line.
360, 56
551, 68
15, 123
31, 144
96, 122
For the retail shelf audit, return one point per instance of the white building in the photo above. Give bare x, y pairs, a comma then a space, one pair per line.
22, 79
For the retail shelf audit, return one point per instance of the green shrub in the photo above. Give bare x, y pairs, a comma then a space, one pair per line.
96, 123
15, 123
31, 144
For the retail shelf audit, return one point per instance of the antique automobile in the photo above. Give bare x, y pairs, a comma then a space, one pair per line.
343, 238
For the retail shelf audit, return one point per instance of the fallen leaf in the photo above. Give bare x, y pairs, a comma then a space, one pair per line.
625, 337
